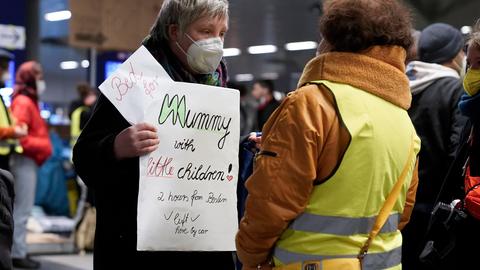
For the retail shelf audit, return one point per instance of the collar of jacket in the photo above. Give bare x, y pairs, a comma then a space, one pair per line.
380, 70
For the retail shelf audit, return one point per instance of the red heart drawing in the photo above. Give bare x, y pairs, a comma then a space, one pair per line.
229, 177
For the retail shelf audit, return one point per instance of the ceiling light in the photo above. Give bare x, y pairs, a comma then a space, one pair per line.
45, 114
6, 93
231, 52
244, 77
298, 46
58, 16
262, 49
85, 63
466, 29
69, 65
270, 76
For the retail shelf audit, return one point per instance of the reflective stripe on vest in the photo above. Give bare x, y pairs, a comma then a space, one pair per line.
372, 261
75, 124
342, 210
309, 222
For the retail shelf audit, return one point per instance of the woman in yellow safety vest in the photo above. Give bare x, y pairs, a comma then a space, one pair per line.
8, 130
335, 178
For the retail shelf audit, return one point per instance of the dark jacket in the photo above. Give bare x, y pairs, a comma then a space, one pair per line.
264, 112
469, 150
438, 122
464, 231
436, 91
6, 219
115, 186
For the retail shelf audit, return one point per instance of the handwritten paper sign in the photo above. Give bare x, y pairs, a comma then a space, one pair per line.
187, 192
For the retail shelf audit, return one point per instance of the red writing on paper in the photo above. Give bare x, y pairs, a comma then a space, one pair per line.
160, 167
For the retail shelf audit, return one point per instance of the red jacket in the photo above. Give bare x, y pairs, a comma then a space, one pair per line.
36, 145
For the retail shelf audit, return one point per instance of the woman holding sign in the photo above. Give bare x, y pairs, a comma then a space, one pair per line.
187, 40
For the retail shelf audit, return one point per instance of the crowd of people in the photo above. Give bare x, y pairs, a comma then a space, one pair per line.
380, 133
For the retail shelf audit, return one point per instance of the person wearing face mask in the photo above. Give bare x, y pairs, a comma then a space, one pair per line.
470, 102
37, 148
9, 131
435, 82
462, 173
187, 40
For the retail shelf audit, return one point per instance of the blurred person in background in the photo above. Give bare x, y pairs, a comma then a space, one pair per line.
452, 248
187, 40
436, 88
29, 85
8, 129
263, 92
470, 107
247, 109
80, 115
83, 89
336, 148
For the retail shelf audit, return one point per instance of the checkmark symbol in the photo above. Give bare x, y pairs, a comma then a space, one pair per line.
168, 218
193, 220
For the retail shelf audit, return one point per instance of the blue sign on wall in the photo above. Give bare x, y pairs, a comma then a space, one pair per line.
15, 13
110, 67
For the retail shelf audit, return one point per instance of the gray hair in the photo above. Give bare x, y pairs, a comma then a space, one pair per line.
185, 12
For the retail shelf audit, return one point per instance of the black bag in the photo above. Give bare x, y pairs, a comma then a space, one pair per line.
445, 222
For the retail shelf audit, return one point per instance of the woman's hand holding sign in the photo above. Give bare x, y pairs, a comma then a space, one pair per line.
137, 140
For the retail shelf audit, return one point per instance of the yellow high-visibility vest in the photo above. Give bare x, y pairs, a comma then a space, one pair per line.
75, 124
342, 210
7, 145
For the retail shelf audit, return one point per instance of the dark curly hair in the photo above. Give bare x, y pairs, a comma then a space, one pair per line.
355, 25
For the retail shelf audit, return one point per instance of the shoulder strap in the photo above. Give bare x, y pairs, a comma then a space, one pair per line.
389, 202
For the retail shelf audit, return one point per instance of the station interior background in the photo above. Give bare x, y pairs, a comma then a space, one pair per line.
252, 23
116, 28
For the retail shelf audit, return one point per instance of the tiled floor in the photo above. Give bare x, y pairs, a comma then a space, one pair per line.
65, 262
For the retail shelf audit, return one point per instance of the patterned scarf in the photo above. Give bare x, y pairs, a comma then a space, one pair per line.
164, 55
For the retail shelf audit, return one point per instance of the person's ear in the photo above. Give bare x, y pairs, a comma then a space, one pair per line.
173, 32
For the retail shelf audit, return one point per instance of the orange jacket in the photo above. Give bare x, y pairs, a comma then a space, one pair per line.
6, 133
285, 175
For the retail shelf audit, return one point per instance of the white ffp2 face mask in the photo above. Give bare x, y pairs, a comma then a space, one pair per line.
204, 56
41, 87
